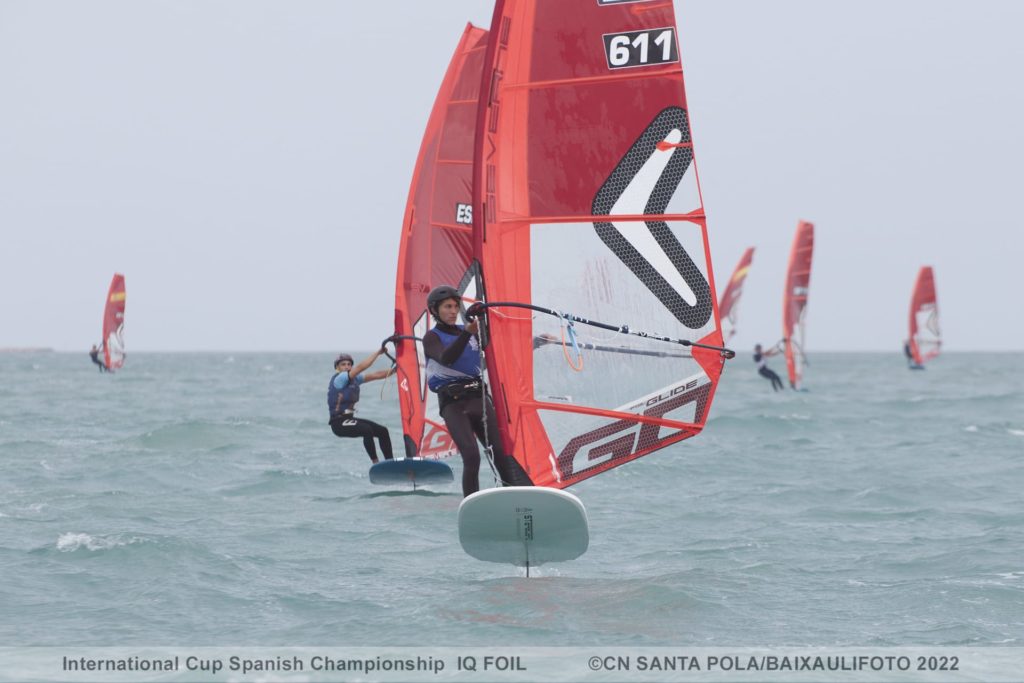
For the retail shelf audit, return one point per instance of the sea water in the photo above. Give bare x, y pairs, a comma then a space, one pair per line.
201, 499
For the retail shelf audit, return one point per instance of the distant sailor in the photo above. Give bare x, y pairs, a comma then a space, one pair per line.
909, 354
453, 373
94, 353
762, 366
342, 396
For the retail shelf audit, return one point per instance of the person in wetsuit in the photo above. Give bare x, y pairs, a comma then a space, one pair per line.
453, 373
342, 396
909, 354
762, 366
94, 353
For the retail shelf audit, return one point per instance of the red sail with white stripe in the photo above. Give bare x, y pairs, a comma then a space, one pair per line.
794, 302
587, 202
925, 337
436, 244
728, 309
113, 324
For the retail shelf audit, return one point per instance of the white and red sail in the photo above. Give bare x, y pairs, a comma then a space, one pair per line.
586, 200
728, 308
436, 245
794, 302
113, 324
925, 338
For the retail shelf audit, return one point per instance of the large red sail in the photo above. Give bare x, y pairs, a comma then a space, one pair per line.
113, 324
794, 301
728, 309
436, 244
925, 339
586, 200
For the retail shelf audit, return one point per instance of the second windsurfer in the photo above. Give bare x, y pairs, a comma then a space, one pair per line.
762, 366
342, 396
94, 354
453, 373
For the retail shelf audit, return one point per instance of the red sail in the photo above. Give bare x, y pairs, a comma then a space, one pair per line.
729, 306
794, 301
113, 324
925, 338
586, 201
436, 244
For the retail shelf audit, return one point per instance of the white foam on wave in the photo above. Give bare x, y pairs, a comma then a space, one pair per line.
70, 542
971, 428
1016, 432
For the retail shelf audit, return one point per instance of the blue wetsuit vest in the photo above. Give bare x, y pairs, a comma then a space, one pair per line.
342, 395
466, 367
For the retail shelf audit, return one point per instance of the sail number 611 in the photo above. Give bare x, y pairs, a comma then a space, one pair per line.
640, 48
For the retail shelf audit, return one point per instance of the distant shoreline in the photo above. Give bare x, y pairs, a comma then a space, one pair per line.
25, 349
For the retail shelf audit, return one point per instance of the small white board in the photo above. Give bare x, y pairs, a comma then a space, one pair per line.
523, 525
415, 471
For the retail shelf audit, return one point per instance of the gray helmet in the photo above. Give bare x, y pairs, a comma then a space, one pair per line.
439, 294
344, 356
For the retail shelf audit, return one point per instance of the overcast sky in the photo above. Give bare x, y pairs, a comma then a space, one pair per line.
245, 163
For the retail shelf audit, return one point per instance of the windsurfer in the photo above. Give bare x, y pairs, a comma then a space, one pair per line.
453, 373
342, 396
94, 353
762, 365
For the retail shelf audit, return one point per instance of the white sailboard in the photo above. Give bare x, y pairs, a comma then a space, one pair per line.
526, 526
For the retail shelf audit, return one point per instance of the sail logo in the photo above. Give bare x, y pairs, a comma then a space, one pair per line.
436, 442
464, 214
623, 439
640, 48
643, 183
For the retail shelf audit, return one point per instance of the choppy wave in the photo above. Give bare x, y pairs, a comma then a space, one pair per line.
195, 500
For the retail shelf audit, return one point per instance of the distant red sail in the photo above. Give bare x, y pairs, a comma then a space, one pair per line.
925, 338
113, 324
586, 200
794, 302
729, 306
436, 244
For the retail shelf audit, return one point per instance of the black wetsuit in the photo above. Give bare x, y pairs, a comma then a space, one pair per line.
765, 371
344, 423
95, 355
357, 426
463, 409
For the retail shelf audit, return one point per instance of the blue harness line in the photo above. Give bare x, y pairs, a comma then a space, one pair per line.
569, 326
